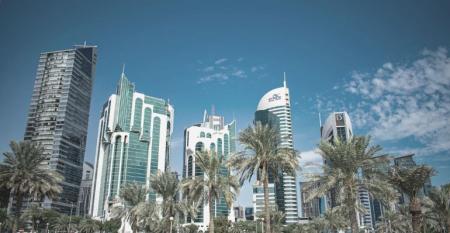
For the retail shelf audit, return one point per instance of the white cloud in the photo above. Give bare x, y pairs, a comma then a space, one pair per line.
225, 69
401, 101
222, 60
310, 163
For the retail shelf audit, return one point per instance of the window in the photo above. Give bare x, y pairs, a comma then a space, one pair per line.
208, 135
202, 134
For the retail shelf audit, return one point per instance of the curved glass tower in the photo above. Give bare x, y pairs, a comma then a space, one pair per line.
274, 108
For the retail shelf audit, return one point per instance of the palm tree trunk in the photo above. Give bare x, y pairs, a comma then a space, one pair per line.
351, 204
266, 199
211, 214
416, 214
18, 198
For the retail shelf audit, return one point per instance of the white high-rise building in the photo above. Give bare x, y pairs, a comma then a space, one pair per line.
338, 126
212, 134
275, 108
258, 199
133, 143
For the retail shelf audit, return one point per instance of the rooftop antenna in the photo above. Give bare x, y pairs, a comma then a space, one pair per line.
123, 69
284, 81
320, 120
204, 115
84, 44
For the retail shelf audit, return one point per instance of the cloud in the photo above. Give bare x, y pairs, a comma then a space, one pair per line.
220, 61
406, 101
224, 69
310, 163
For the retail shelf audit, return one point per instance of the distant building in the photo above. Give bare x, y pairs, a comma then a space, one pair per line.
58, 117
274, 108
249, 214
338, 126
133, 143
212, 134
85, 190
314, 208
238, 213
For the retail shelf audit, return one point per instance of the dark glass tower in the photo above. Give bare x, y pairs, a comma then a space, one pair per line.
58, 116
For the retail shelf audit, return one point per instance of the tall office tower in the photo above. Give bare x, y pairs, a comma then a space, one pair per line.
407, 161
314, 208
338, 126
58, 116
274, 108
210, 135
85, 189
132, 144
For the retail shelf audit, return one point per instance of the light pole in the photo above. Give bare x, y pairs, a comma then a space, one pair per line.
70, 216
1, 227
37, 225
46, 228
262, 225
171, 222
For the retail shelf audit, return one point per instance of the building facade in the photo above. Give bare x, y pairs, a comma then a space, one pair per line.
314, 208
338, 126
258, 199
58, 116
274, 108
85, 190
212, 134
133, 143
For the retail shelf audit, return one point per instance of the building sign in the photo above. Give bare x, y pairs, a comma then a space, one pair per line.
340, 121
274, 97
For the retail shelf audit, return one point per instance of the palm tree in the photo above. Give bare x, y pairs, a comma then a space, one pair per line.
437, 206
333, 219
89, 226
410, 181
24, 173
351, 165
167, 185
213, 186
132, 201
33, 214
393, 221
263, 156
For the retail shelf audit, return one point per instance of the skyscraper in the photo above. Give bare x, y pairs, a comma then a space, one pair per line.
212, 134
85, 189
274, 108
58, 116
132, 144
339, 127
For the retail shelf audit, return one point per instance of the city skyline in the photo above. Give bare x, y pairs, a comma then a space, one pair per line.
195, 70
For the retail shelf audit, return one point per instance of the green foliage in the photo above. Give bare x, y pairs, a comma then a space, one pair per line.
437, 209
111, 226
191, 228
89, 226
222, 225
352, 165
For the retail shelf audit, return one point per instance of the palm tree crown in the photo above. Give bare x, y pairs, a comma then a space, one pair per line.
351, 165
24, 172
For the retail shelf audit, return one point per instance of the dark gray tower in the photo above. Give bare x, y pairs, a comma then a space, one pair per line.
58, 116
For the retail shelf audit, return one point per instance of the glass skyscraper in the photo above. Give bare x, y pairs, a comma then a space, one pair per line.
210, 135
58, 116
133, 143
275, 108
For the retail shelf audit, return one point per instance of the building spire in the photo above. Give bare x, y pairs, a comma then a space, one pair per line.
284, 80
123, 70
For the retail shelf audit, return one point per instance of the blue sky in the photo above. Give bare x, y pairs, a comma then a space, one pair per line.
385, 62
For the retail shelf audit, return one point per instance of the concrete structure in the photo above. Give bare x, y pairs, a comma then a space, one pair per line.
339, 127
249, 214
212, 134
85, 190
58, 116
274, 108
133, 143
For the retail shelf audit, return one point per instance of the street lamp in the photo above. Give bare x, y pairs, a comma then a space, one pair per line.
46, 227
1, 227
70, 216
37, 225
171, 221
262, 225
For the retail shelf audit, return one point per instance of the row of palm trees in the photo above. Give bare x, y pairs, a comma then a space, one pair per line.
349, 166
